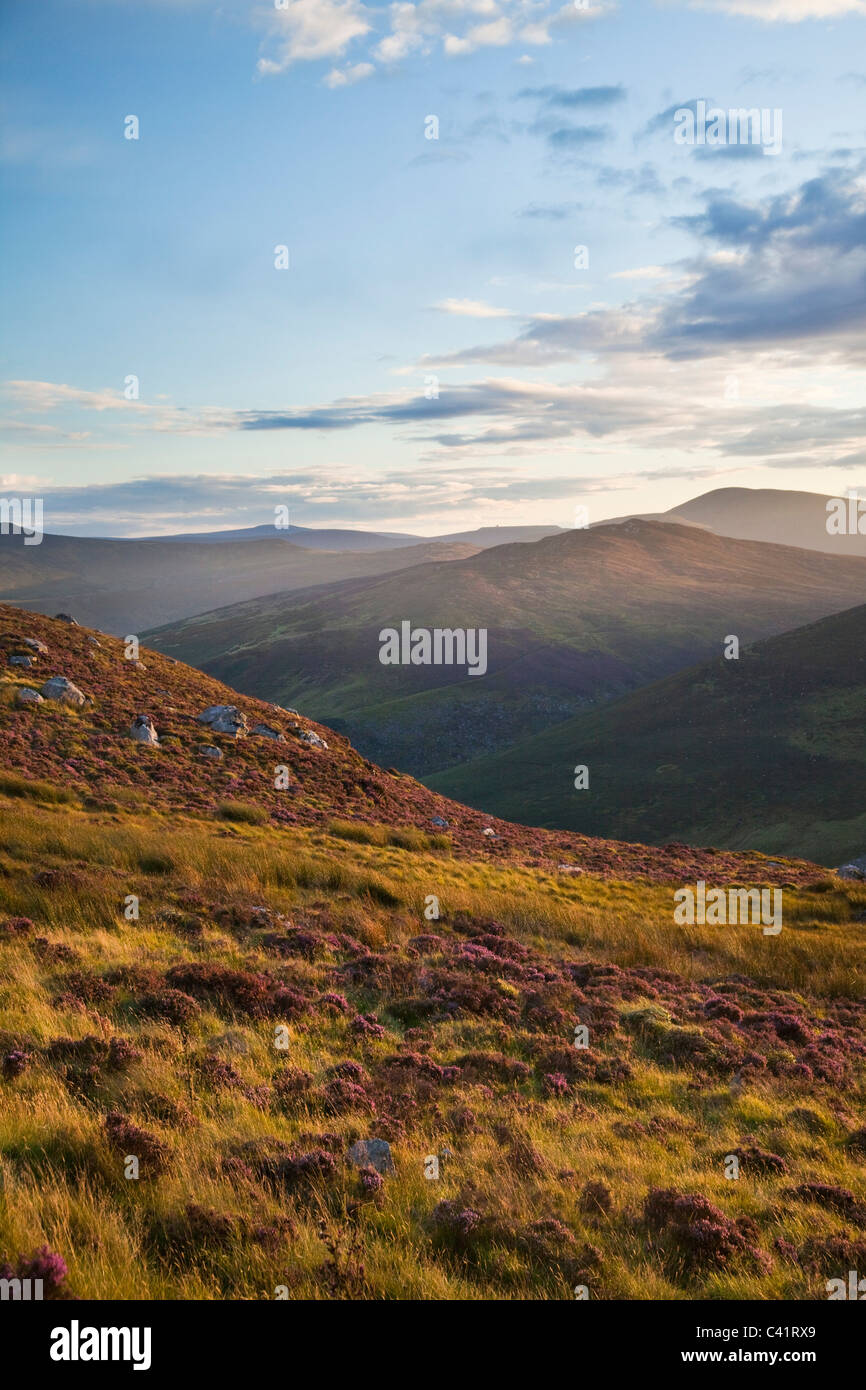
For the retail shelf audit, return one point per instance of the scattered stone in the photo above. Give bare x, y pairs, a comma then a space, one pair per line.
440, 822
63, 691
265, 731
312, 738
142, 729
569, 869
489, 831
65, 618
372, 1153
36, 645
855, 868
138, 665
224, 719
209, 750
18, 660
94, 641
28, 696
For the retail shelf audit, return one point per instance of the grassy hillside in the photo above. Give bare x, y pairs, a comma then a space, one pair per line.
783, 516
571, 620
767, 751
451, 1037
126, 586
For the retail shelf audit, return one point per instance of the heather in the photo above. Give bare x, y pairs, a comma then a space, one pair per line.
331, 1094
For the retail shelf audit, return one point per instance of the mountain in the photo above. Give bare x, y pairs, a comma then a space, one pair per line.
765, 751
332, 539
125, 586
777, 515
571, 620
347, 1052
92, 752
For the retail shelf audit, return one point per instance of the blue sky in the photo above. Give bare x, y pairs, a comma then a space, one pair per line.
432, 358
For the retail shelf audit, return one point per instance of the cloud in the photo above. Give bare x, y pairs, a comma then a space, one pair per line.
311, 30
473, 309
577, 137
643, 272
785, 11
306, 30
347, 77
575, 97
549, 212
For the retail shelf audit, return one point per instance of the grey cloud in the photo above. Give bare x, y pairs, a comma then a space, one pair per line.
575, 97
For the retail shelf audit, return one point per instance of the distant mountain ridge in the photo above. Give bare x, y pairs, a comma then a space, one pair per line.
125, 586
572, 620
775, 515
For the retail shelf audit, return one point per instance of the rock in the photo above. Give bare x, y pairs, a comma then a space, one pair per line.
439, 821
855, 868
36, 645
94, 641
138, 665
207, 750
488, 830
65, 618
312, 738
372, 1153
224, 719
26, 696
265, 731
18, 660
569, 869
64, 692
142, 729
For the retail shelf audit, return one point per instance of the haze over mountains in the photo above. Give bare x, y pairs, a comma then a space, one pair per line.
571, 620
766, 514
124, 586
766, 751
333, 538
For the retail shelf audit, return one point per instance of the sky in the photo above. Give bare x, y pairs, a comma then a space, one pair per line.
513, 282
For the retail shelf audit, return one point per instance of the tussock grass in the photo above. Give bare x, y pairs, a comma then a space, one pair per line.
61, 1182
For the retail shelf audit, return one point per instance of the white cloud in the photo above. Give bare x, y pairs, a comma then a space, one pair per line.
786, 11
312, 29
473, 309
642, 272
347, 77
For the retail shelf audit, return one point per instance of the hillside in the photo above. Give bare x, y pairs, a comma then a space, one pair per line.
125, 586
767, 751
330, 1091
333, 538
572, 620
780, 516
88, 751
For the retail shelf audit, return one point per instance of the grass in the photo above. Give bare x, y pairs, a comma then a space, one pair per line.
305, 909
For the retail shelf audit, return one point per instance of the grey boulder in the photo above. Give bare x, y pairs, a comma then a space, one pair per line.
142, 729
224, 719
372, 1153
64, 692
